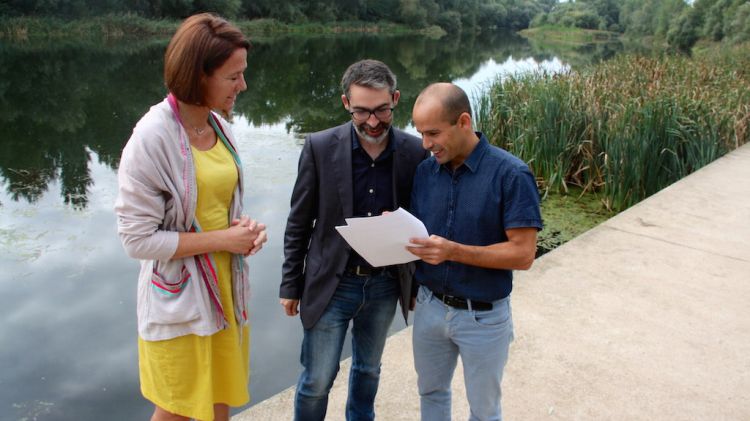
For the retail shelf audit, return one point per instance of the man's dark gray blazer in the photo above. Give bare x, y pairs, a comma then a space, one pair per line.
315, 254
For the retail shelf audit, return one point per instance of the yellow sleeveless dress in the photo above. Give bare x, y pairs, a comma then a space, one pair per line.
187, 375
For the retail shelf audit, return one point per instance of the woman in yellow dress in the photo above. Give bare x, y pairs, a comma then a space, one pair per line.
179, 210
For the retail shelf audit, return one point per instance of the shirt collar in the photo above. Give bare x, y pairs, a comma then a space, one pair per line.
474, 158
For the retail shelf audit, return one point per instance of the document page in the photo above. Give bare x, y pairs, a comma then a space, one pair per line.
381, 240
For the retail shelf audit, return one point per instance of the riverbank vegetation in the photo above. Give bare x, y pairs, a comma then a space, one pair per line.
676, 24
624, 128
569, 35
115, 27
611, 133
31, 18
101, 27
618, 131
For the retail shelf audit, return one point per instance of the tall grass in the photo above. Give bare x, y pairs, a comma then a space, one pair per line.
627, 127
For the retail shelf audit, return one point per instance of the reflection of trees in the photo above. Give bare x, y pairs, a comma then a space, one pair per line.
577, 55
297, 78
58, 102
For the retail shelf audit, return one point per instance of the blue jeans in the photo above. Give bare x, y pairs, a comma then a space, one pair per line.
370, 302
442, 333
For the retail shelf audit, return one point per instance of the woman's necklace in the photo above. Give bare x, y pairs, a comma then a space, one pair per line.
191, 111
199, 131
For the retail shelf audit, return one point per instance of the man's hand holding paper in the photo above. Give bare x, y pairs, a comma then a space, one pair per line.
382, 240
433, 250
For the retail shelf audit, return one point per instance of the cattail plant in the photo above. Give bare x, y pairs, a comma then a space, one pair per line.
625, 128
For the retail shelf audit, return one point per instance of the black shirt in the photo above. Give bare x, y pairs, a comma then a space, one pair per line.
372, 182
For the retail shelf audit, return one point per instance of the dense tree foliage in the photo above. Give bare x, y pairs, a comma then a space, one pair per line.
573, 14
681, 23
452, 15
649, 17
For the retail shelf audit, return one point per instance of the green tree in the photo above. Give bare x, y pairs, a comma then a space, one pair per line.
521, 12
492, 15
171, 8
684, 33
450, 21
649, 17
227, 8
607, 10
738, 28
375, 10
713, 26
347, 9
576, 15
411, 13
288, 11
58, 8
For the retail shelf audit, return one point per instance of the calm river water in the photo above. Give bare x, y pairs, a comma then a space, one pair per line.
67, 289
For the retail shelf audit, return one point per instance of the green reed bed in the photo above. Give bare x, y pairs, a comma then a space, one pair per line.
627, 127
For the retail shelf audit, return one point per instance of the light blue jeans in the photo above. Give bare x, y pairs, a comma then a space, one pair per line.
369, 303
442, 333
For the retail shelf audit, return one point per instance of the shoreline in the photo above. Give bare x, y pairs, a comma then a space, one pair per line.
128, 26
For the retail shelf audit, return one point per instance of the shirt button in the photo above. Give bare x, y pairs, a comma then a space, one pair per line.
372, 165
369, 213
371, 191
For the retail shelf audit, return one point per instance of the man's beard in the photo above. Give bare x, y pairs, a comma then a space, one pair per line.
360, 128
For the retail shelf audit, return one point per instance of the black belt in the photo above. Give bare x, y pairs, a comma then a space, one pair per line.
358, 270
462, 303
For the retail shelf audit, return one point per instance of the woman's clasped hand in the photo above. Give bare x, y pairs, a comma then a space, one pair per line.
246, 236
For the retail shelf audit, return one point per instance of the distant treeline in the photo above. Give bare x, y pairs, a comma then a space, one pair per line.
451, 15
678, 22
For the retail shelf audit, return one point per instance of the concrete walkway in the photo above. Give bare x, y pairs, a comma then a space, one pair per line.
645, 317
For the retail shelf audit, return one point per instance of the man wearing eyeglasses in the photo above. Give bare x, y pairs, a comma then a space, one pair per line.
362, 168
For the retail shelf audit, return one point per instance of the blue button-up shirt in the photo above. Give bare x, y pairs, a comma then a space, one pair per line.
491, 192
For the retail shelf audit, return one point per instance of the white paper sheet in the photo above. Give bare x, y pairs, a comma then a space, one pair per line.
381, 240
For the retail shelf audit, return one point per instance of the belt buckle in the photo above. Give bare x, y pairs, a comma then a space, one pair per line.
449, 300
359, 273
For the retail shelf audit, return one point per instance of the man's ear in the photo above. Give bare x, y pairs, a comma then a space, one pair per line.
345, 101
396, 96
464, 120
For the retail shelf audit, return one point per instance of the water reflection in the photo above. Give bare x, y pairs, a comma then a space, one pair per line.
57, 102
67, 290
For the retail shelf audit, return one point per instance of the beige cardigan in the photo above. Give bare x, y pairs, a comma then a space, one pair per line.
156, 199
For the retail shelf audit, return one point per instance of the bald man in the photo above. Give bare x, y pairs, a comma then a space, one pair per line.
480, 205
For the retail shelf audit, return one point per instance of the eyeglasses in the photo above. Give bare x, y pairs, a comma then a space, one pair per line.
364, 114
